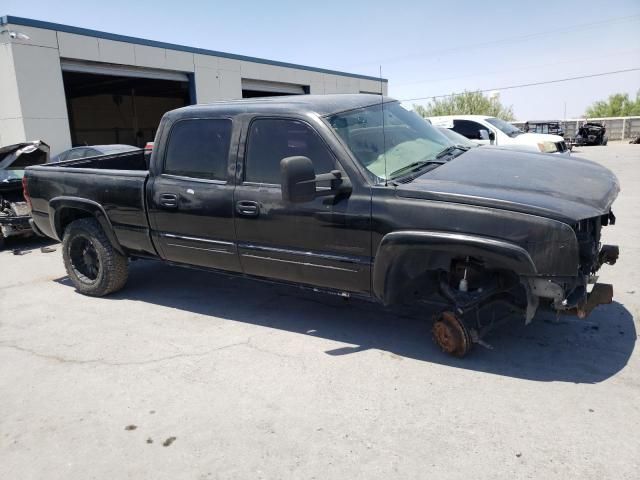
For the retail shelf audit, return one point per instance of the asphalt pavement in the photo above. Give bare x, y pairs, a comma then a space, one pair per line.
186, 374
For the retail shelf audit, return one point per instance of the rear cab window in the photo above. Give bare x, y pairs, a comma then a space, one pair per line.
199, 148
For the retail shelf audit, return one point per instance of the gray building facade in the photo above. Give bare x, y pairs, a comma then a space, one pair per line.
72, 86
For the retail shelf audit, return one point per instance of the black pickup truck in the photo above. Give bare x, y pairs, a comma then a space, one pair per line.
350, 194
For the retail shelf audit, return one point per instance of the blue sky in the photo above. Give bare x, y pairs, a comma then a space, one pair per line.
425, 48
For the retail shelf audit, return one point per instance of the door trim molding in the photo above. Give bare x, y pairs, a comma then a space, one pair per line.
213, 250
353, 259
197, 239
304, 264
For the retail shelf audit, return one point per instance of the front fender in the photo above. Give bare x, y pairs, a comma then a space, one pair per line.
405, 255
58, 205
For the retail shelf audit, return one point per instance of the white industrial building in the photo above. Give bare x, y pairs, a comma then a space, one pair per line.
72, 86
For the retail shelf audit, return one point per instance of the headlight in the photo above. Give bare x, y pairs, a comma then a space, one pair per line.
547, 147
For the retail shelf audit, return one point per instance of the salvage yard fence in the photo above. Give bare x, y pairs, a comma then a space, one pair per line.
618, 128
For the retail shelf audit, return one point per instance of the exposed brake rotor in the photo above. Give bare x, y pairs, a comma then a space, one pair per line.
451, 334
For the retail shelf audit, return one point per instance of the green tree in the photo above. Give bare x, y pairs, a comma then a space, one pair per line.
617, 105
467, 103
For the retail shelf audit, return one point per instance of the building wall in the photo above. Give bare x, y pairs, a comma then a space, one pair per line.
32, 99
11, 127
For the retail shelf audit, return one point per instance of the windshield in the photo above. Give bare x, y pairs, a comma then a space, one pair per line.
407, 139
456, 138
505, 127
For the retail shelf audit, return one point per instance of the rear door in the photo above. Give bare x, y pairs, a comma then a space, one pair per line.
191, 198
325, 242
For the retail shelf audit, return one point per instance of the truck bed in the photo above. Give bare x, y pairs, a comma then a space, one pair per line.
135, 160
114, 183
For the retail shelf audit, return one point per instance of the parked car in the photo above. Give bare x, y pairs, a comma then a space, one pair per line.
14, 210
319, 191
485, 130
592, 133
464, 142
92, 151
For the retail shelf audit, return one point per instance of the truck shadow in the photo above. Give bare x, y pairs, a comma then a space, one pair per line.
550, 349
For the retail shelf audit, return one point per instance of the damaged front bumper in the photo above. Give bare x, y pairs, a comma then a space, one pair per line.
601, 294
571, 296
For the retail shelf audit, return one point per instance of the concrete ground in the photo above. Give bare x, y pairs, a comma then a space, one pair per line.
185, 374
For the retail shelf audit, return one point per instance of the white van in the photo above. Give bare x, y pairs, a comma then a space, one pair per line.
485, 130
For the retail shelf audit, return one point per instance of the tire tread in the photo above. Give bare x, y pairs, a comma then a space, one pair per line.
115, 265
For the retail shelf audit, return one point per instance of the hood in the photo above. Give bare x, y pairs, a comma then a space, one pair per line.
568, 189
535, 138
15, 158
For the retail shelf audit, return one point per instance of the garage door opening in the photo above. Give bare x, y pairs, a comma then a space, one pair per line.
119, 108
261, 88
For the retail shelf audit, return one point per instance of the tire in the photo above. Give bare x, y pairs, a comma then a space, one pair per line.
2, 241
93, 265
605, 140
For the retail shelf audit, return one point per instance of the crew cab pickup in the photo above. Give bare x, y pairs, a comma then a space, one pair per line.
349, 194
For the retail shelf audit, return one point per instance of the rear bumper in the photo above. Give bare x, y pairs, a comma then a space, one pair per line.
21, 221
14, 226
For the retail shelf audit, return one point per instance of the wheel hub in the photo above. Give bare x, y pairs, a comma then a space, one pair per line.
84, 259
451, 335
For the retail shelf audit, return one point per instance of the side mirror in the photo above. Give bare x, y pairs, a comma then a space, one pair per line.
298, 179
484, 134
492, 136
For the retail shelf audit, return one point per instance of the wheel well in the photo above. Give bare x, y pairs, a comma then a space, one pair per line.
68, 215
475, 270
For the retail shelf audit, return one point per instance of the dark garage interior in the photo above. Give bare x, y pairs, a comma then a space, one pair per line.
106, 109
260, 88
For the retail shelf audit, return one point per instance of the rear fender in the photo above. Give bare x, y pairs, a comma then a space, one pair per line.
60, 205
406, 255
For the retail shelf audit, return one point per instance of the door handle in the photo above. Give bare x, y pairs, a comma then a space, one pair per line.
248, 208
168, 200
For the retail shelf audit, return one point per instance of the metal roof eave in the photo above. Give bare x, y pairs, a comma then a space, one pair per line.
28, 22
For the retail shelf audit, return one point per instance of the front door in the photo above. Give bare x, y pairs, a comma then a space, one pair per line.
325, 242
191, 197
471, 130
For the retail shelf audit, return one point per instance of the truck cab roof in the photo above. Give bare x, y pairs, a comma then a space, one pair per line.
321, 105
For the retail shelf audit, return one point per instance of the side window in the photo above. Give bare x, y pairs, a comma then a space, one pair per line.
468, 128
62, 157
76, 153
90, 152
271, 140
199, 148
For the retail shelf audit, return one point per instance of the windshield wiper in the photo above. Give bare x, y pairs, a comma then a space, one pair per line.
449, 150
420, 164
413, 167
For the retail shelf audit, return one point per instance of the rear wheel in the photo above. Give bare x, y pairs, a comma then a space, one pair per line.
93, 265
451, 334
2, 240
